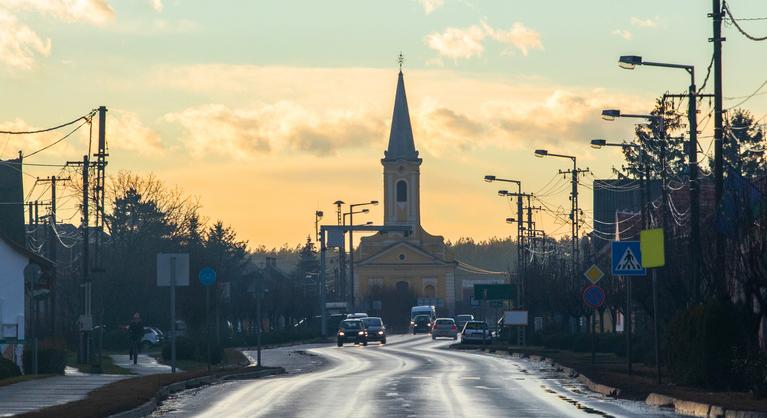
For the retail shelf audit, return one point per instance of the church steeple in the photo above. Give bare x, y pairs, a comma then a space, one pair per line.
401, 143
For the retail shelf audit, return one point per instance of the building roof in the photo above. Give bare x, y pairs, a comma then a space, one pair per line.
42, 261
401, 143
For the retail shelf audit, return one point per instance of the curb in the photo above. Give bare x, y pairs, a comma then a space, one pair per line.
698, 409
148, 407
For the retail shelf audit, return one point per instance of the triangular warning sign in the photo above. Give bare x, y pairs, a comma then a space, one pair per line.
628, 261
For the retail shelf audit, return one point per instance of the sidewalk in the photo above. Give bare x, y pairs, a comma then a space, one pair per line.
74, 385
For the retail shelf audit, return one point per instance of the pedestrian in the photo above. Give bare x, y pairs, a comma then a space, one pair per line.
135, 333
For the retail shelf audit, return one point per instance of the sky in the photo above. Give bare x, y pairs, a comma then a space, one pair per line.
267, 111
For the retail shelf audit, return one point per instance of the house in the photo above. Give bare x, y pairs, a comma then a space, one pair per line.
14, 326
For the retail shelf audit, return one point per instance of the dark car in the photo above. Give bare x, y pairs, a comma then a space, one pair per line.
421, 323
375, 328
352, 331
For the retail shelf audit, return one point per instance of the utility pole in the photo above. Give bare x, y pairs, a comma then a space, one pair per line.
86, 320
53, 243
574, 212
99, 192
341, 255
720, 260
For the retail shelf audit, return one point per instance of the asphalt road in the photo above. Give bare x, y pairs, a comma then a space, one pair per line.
411, 376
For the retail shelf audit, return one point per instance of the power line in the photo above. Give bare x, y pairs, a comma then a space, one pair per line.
749, 97
726, 9
58, 140
86, 117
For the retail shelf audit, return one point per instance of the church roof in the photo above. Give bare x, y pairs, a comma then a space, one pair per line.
401, 143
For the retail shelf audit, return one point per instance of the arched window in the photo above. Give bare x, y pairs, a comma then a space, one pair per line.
429, 291
401, 191
402, 286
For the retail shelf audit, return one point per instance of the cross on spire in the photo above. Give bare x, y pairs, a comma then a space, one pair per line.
400, 60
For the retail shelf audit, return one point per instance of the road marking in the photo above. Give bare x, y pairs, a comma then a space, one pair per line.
468, 378
420, 377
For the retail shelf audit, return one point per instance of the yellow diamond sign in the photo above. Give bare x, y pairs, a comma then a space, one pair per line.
594, 274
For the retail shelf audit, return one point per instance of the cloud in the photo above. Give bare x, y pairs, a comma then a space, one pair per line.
457, 43
622, 33
30, 143
125, 131
644, 23
97, 12
431, 5
19, 44
156, 5
243, 133
519, 36
465, 43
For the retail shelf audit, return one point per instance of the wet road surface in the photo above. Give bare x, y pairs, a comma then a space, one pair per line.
411, 376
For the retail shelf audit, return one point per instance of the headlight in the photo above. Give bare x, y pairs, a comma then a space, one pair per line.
361, 333
341, 333
380, 332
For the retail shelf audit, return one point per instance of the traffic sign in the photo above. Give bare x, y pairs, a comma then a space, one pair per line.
207, 276
494, 291
627, 259
593, 296
594, 274
653, 245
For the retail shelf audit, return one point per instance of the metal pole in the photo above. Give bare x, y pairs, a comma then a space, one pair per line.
85, 336
694, 203
351, 258
207, 320
323, 326
720, 260
627, 322
259, 291
173, 314
655, 320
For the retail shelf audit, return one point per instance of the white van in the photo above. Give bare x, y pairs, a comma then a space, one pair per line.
423, 310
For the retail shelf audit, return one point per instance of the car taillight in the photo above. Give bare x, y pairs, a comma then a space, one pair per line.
453, 327
435, 326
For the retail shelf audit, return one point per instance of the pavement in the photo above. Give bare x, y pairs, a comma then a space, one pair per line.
74, 385
146, 364
412, 376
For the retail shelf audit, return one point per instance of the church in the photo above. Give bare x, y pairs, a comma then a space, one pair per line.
417, 262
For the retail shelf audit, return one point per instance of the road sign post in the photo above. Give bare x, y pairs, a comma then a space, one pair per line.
593, 297
653, 245
173, 270
207, 277
627, 261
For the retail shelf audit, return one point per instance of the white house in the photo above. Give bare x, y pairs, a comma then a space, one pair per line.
13, 259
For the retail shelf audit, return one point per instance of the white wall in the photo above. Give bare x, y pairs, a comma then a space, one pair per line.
12, 266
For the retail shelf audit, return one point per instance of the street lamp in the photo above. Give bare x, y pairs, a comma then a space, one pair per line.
510, 220
351, 242
318, 214
540, 153
598, 143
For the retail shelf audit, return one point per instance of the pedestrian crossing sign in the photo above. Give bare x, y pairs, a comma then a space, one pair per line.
627, 259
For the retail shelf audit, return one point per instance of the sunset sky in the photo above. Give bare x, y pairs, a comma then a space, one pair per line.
269, 110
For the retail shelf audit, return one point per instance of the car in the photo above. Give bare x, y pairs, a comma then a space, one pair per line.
375, 328
461, 320
356, 315
152, 337
352, 330
476, 332
421, 323
444, 327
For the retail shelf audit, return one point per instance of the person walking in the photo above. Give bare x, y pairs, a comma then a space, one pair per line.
135, 333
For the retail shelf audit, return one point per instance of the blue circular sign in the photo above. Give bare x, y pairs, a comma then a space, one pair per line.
207, 276
593, 296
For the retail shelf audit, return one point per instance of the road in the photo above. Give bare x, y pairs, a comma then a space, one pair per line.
411, 376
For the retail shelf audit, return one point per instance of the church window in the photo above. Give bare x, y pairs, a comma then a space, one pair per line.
402, 257
401, 191
429, 291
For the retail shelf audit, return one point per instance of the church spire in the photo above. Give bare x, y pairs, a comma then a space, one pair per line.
401, 143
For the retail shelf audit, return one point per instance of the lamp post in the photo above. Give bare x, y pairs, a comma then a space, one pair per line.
630, 62
318, 214
351, 243
574, 218
520, 236
597, 144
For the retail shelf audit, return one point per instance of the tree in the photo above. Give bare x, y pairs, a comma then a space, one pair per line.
744, 145
670, 148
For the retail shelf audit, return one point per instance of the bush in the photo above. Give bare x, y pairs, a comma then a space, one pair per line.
49, 360
196, 350
8, 368
701, 345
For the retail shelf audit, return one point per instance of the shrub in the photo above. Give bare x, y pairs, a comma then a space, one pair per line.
8, 368
185, 349
701, 343
49, 360
116, 339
